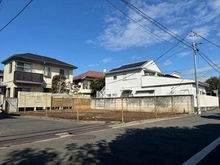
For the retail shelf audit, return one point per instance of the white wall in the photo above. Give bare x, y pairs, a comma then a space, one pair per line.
207, 101
125, 81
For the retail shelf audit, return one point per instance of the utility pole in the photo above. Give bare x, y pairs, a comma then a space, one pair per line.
193, 34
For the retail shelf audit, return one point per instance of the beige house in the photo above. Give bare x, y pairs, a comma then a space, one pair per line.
82, 82
32, 72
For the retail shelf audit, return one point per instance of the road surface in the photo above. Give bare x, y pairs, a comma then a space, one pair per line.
192, 139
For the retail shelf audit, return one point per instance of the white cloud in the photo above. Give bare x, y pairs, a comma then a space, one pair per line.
183, 54
91, 42
136, 57
179, 16
92, 65
106, 60
167, 62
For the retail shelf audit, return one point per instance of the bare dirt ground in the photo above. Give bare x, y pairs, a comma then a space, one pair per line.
107, 116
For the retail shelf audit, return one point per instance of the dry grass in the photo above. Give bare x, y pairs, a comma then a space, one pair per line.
97, 115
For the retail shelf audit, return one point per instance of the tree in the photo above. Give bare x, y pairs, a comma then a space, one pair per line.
58, 84
214, 83
97, 85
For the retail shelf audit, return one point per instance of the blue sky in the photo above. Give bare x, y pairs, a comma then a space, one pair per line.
94, 35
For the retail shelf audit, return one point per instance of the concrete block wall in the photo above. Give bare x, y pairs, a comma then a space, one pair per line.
177, 104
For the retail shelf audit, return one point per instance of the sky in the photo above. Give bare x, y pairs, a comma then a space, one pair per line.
101, 35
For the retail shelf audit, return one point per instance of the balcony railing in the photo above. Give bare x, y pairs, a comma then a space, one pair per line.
28, 77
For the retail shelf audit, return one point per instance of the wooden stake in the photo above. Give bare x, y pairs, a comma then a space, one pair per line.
122, 110
46, 105
24, 104
155, 106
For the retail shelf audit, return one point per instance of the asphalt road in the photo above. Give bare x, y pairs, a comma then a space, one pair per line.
19, 130
173, 141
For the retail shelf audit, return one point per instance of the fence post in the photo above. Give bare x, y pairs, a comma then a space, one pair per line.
172, 103
77, 109
72, 103
51, 101
24, 104
62, 104
155, 106
122, 110
46, 104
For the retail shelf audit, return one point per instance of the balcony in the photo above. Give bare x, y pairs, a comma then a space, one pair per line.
28, 78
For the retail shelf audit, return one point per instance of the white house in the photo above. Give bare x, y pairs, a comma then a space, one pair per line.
146, 79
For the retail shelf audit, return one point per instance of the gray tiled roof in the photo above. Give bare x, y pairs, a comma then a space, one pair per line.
38, 59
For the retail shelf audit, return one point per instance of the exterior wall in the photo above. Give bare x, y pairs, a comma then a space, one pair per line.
8, 77
56, 71
125, 81
175, 104
152, 66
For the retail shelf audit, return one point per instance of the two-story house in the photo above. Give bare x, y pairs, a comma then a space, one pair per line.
146, 79
83, 81
32, 72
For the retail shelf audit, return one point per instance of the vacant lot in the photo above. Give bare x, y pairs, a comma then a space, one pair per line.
98, 115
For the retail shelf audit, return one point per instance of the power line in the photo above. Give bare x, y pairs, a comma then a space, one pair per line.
174, 45
170, 49
151, 33
173, 54
160, 26
208, 62
207, 40
16, 15
3, 3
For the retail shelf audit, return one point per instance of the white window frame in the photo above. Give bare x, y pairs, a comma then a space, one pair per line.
47, 71
27, 67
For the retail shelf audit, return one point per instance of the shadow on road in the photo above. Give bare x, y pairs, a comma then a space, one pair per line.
216, 117
158, 145
6, 116
30, 156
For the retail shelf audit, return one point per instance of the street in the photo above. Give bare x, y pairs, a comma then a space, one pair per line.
162, 141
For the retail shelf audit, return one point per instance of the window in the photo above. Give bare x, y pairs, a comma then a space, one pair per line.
64, 73
10, 67
24, 67
47, 72
114, 77
145, 92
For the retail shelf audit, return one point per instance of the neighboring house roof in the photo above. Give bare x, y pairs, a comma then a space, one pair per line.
91, 74
136, 65
38, 59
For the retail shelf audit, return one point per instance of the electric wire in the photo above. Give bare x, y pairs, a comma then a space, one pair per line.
160, 26
169, 50
207, 40
208, 62
209, 59
16, 15
173, 55
151, 33
3, 3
